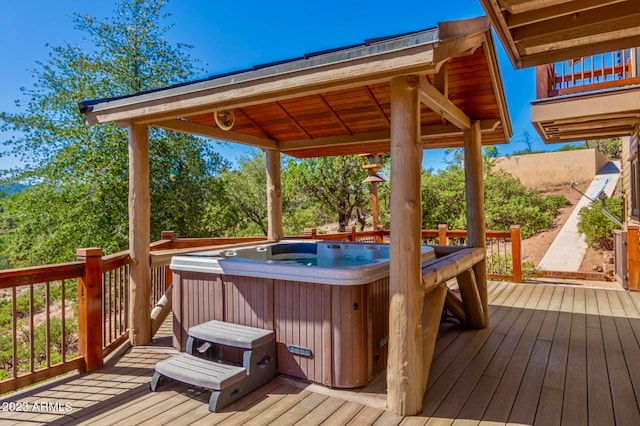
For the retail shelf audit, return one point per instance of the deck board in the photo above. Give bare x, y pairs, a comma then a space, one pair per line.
552, 355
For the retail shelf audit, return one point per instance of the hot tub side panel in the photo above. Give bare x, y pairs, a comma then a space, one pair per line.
378, 325
197, 298
303, 330
349, 323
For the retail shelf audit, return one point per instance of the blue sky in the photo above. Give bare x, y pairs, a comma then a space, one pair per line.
234, 35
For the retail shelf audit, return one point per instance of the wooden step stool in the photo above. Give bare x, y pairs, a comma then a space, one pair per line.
201, 366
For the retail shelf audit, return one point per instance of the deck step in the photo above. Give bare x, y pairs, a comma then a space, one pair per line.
228, 334
196, 371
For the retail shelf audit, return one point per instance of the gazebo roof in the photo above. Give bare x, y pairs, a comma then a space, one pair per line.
337, 102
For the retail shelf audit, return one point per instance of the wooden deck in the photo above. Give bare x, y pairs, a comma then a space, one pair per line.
553, 355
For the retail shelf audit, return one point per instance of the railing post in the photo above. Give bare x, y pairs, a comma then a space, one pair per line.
310, 233
168, 279
90, 308
632, 255
167, 235
516, 253
442, 234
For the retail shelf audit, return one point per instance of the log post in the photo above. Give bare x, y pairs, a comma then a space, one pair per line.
633, 257
431, 315
474, 186
516, 253
90, 308
405, 372
474, 314
139, 236
274, 195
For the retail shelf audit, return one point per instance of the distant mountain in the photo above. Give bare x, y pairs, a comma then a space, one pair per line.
12, 188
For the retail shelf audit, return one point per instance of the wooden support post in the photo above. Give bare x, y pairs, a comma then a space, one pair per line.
405, 372
310, 232
543, 82
633, 255
139, 236
431, 315
474, 313
474, 185
274, 195
168, 275
374, 204
516, 253
442, 234
90, 308
453, 303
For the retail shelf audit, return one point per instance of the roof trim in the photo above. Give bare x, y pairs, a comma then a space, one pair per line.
308, 62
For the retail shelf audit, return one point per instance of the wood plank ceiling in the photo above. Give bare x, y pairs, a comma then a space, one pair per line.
337, 102
538, 32
319, 125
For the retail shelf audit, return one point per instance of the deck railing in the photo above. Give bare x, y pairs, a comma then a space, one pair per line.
589, 73
50, 313
38, 324
504, 256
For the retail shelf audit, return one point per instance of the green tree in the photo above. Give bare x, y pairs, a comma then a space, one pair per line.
78, 175
245, 197
335, 183
507, 201
611, 147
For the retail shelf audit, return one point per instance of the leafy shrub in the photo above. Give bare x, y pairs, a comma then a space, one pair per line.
596, 226
507, 202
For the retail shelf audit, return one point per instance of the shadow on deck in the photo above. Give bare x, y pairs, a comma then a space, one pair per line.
553, 354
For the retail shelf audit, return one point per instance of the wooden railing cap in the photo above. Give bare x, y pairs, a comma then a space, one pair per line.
89, 252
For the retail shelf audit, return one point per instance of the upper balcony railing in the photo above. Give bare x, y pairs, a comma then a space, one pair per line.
589, 73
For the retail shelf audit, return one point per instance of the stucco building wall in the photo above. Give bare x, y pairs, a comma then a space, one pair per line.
554, 168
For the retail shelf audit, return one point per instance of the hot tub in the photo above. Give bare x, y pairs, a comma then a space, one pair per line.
326, 301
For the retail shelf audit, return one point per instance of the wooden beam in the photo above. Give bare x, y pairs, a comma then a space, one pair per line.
595, 107
184, 126
209, 97
431, 315
435, 100
405, 369
444, 268
555, 11
427, 133
474, 185
522, 6
498, 87
585, 24
335, 114
494, 13
139, 236
375, 103
274, 195
453, 303
547, 54
474, 312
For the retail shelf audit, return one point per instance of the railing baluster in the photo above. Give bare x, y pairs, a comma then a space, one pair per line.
14, 325
31, 327
47, 301
63, 321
